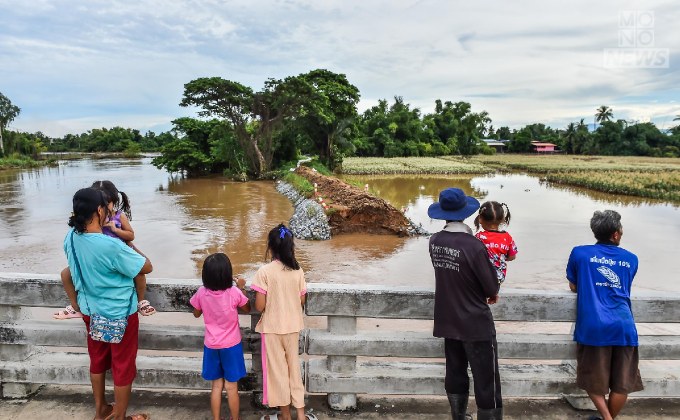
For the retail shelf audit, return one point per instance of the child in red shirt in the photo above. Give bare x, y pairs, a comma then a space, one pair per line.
499, 243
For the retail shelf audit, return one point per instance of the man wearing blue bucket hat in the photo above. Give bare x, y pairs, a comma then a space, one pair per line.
466, 284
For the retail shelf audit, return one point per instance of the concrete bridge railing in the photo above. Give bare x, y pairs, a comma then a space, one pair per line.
342, 360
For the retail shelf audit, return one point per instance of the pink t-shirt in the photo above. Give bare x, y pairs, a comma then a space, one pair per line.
220, 315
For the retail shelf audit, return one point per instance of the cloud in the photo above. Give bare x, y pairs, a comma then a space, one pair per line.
108, 62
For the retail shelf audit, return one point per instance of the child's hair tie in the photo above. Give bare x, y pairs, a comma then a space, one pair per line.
283, 231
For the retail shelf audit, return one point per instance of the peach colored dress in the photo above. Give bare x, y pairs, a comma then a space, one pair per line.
280, 326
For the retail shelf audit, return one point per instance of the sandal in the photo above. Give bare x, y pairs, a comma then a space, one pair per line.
140, 416
270, 417
145, 308
67, 313
310, 416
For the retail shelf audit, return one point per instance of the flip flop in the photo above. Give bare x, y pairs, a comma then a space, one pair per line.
144, 307
270, 417
310, 416
67, 313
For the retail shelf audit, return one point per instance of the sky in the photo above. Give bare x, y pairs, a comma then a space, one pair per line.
75, 65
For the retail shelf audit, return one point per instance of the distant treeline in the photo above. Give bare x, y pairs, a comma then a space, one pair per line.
315, 113
250, 133
104, 140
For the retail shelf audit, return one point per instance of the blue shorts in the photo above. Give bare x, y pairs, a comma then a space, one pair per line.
224, 363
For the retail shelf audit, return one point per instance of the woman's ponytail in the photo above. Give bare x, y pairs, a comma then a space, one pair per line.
280, 243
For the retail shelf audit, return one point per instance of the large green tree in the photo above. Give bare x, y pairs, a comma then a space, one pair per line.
254, 116
392, 130
456, 126
8, 112
201, 147
328, 112
607, 138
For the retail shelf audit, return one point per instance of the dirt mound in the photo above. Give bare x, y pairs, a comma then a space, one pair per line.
353, 210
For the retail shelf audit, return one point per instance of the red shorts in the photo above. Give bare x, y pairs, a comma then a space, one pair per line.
120, 358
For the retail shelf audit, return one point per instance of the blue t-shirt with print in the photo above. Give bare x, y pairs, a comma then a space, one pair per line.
603, 275
108, 266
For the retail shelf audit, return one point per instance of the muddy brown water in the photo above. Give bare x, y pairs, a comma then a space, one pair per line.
180, 221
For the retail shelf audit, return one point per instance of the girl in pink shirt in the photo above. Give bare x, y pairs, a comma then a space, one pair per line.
219, 302
500, 245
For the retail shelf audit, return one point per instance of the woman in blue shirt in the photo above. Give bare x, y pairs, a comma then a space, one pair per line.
98, 280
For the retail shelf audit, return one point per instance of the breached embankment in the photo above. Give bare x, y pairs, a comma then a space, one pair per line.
309, 220
350, 210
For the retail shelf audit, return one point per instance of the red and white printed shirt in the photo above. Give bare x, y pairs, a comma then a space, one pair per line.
500, 246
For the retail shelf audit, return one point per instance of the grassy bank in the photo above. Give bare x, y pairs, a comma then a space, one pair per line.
301, 185
627, 175
19, 162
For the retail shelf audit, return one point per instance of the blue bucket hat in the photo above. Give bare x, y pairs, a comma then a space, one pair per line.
453, 205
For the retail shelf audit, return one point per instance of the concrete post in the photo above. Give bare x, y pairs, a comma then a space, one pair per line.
342, 364
15, 353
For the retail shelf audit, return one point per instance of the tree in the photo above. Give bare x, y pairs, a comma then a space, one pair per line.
504, 133
202, 147
8, 112
328, 112
607, 138
521, 142
457, 126
254, 116
569, 137
390, 131
603, 114
583, 137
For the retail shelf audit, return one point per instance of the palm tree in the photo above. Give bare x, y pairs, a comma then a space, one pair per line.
677, 118
603, 113
570, 137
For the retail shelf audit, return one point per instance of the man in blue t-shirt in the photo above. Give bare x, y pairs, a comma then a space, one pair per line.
605, 333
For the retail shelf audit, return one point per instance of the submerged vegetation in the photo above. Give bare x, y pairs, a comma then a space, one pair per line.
18, 161
412, 165
664, 185
542, 164
638, 176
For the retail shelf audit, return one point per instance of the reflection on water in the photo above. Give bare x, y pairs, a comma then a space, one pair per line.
233, 217
547, 222
179, 221
622, 200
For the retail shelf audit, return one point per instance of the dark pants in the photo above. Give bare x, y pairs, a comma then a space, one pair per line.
483, 360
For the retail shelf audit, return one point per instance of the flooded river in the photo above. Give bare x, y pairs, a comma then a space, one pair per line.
179, 221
